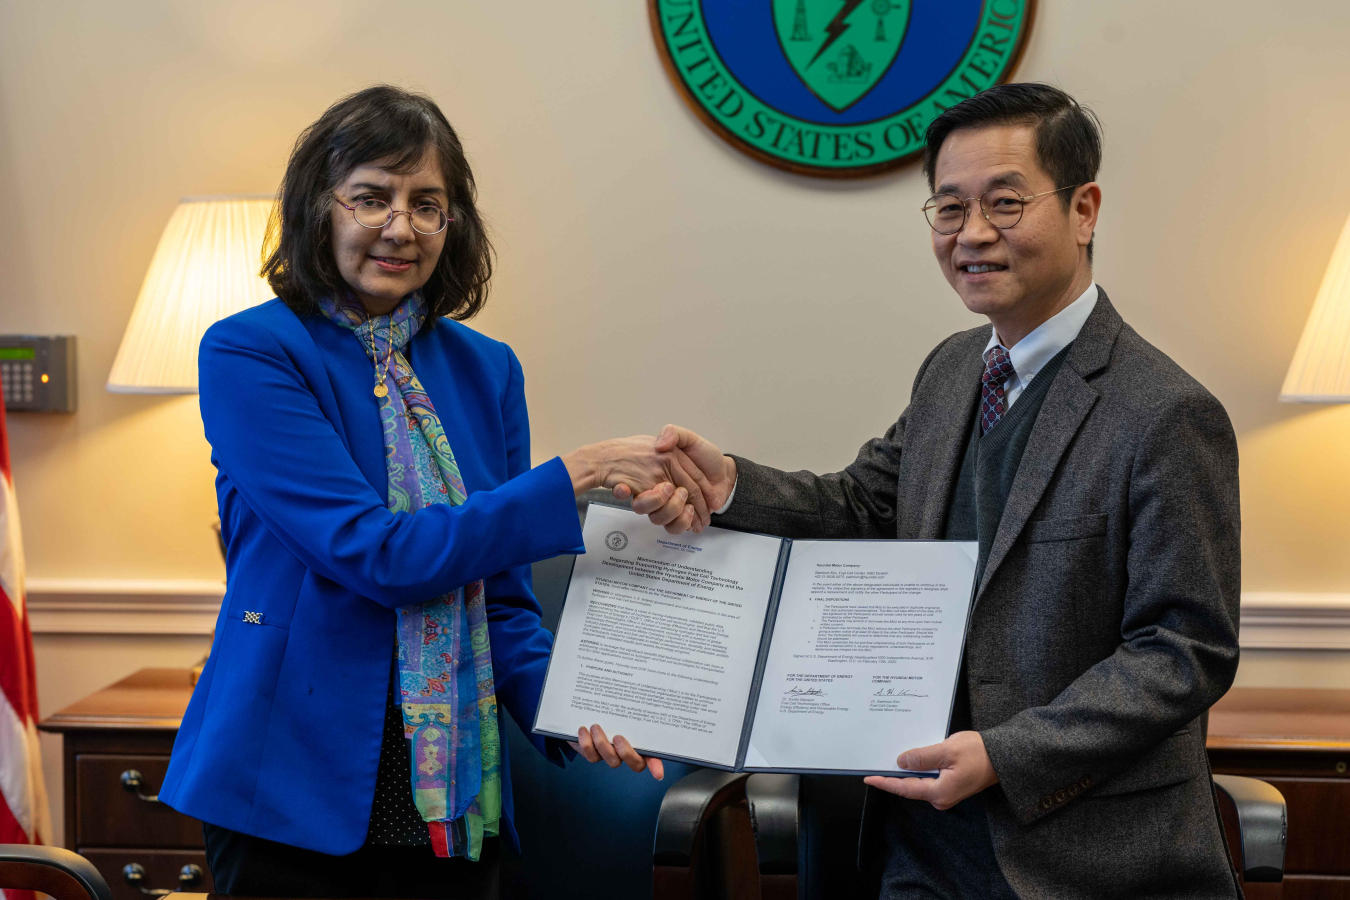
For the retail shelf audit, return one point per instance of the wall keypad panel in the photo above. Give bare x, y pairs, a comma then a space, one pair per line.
37, 373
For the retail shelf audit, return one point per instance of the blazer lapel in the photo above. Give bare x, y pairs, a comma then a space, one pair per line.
945, 429
1066, 405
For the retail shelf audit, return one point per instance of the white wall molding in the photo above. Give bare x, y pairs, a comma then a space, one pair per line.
1270, 620
1295, 621
123, 605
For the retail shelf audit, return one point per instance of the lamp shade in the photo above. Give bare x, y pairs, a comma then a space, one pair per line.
204, 269
1320, 372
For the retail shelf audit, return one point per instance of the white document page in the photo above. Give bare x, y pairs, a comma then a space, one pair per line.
659, 636
865, 654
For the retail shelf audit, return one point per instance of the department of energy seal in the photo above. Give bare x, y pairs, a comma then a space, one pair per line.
837, 88
616, 540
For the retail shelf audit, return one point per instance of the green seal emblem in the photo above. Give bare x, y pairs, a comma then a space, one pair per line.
852, 67
837, 88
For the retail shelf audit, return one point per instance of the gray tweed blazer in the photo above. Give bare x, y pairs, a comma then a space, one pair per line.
1106, 621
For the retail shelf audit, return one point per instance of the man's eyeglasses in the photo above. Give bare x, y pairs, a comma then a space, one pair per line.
1001, 207
372, 213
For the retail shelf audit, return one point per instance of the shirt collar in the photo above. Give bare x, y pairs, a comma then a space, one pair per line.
1032, 352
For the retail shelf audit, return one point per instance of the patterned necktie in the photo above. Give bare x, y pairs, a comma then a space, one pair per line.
998, 368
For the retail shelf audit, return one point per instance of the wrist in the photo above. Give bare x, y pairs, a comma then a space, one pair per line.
583, 466
729, 471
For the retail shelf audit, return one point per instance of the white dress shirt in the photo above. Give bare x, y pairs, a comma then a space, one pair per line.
1030, 354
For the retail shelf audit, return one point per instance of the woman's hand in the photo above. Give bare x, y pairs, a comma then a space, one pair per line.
659, 505
637, 465
594, 746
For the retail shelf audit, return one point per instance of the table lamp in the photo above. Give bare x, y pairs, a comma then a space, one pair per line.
204, 269
1320, 372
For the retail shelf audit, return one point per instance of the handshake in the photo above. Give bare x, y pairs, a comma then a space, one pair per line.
677, 479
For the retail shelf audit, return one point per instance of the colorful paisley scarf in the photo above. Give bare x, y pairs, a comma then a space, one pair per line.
444, 662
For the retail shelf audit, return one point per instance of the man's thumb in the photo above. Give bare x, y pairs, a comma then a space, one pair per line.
668, 439
923, 758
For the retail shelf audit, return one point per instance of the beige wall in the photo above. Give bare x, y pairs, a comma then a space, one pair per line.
647, 271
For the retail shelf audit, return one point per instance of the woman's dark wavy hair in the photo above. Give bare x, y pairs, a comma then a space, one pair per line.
396, 128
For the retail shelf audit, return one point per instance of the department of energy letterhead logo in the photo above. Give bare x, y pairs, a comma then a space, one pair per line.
616, 540
834, 87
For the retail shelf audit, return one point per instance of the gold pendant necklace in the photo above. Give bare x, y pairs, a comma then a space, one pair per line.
380, 389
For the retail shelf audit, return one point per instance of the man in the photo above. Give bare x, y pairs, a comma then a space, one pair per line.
1101, 483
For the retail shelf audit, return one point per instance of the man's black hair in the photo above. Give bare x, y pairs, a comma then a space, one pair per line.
1068, 135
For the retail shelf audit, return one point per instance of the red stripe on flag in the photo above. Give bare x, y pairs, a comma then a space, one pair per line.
18, 676
12, 833
19, 686
16, 643
16, 662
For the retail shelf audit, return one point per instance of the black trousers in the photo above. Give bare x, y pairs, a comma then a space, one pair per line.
940, 854
249, 866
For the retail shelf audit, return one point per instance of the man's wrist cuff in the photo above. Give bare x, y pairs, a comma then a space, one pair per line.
730, 497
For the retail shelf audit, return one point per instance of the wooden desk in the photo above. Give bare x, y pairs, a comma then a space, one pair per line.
1299, 741
127, 727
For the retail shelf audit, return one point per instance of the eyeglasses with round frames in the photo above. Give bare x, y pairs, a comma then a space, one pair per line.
1001, 207
426, 219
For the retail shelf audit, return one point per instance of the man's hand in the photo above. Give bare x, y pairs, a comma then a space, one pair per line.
716, 471
964, 771
594, 746
638, 464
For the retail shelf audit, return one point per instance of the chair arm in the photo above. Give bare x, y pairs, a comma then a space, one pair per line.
775, 814
51, 870
687, 804
1262, 824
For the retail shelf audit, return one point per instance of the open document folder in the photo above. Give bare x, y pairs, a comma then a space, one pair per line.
756, 653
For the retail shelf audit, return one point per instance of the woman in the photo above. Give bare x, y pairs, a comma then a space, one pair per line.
380, 515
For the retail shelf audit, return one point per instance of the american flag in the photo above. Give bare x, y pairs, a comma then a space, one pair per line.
23, 798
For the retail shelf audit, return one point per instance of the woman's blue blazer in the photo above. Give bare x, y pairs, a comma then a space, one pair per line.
282, 737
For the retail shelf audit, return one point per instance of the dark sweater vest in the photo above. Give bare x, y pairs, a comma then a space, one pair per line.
988, 468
